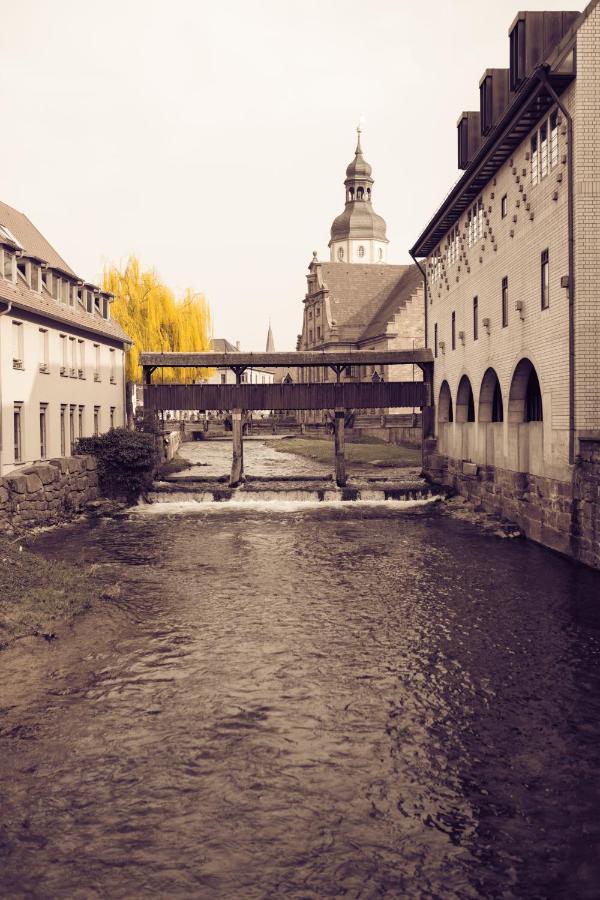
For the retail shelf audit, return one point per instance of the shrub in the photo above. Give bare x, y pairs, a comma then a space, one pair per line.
127, 461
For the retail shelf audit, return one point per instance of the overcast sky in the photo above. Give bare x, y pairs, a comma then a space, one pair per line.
211, 139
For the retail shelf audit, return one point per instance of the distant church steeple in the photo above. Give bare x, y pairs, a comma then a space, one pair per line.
358, 234
270, 340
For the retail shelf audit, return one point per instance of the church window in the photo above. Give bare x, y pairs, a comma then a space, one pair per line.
361, 250
340, 253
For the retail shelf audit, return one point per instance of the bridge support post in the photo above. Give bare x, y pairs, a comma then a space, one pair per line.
237, 465
338, 437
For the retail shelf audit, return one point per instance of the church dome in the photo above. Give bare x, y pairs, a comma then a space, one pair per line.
359, 167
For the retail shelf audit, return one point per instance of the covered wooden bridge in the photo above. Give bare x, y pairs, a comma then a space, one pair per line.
338, 396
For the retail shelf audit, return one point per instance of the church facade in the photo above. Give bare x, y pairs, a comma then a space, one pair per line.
357, 300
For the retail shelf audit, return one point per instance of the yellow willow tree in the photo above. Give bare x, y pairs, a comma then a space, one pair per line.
156, 321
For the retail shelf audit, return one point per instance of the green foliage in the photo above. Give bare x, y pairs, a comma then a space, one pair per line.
127, 461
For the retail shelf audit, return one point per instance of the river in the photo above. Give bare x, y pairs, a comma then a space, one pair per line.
307, 701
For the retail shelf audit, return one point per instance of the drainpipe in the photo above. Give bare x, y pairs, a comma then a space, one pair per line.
4, 312
542, 74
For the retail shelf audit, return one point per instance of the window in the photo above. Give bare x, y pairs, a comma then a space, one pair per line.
553, 140
17, 330
340, 253
63, 426
504, 302
43, 442
361, 251
504, 206
454, 331
453, 246
318, 332
43, 350
112, 417
8, 268
485, 104
535, 174
310, 337
435, 340
97, 362
544, 150
18, 444
517, 55
80, 422
73, 344
380, 253
475, 318
223, 378
64, 356
545, 280
96, 421
72, 428
435, 265
81, 370
113, 378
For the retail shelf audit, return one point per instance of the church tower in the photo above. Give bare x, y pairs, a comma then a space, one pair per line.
358, 234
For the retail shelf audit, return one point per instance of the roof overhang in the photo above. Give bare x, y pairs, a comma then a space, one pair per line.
531, 102
305, 358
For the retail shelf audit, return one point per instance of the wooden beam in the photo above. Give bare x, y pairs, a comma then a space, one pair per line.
237, 464
308, 358
338, 439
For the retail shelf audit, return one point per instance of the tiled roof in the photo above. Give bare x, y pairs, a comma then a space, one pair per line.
33, 242
23, 298
403, 290
357, 293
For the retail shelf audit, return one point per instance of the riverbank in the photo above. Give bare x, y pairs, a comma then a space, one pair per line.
38, 595
360, 452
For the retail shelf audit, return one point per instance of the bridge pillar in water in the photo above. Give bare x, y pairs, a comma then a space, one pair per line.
237, 464
338, 437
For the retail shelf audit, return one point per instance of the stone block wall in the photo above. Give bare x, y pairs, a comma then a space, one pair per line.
47, 493
564, 516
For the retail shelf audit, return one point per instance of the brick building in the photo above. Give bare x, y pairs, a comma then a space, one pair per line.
61, 354
357, 301
512, 268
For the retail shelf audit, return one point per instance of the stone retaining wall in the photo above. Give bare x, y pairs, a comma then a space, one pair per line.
564, 516
47, 493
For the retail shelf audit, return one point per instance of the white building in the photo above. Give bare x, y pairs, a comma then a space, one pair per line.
250, 376
61, 355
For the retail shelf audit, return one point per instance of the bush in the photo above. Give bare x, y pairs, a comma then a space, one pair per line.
127, 461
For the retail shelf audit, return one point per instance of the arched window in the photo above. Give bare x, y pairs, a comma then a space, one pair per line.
465, 404
380, 253
361, 250
491, 406
351, 192
525, 398
340, 253
533, 399
368, 193
445, 411
360, 192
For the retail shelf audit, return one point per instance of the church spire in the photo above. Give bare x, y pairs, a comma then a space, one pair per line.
358, 235
270, 340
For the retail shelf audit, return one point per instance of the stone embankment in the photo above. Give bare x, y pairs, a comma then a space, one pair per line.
47, 493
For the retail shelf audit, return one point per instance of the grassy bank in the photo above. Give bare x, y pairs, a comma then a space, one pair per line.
36, 594
373, 453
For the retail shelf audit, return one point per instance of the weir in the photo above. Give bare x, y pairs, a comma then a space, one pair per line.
339, 397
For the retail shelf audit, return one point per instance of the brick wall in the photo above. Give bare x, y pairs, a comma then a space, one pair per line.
48, 493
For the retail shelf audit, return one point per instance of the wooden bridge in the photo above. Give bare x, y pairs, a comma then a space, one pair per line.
339, 396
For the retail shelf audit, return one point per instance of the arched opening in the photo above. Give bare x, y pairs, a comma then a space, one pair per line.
525, 420
340, 253
351, 193
489, 418
445, 417
380, 253
368, 193
465, 420
360, 192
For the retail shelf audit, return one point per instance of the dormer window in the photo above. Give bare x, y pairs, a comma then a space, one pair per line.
517, 55
22, 270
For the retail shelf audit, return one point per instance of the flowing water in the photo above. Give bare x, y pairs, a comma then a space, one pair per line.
307, 701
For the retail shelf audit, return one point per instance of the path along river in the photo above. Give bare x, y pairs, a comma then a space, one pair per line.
356, 701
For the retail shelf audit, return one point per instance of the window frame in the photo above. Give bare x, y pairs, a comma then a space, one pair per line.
505, 302
545, 279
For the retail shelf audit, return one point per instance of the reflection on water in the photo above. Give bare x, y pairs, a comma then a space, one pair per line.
308, 703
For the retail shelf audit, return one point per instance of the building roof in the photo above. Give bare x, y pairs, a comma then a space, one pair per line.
42, 304
529, 105
19, 233
222, 345
361, 295
31, 240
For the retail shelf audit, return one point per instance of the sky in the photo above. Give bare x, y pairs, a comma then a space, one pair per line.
211, 138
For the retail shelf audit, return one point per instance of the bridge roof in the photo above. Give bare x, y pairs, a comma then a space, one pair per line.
284, 360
